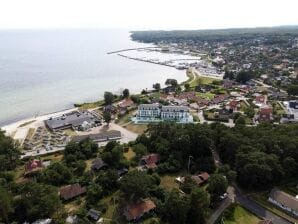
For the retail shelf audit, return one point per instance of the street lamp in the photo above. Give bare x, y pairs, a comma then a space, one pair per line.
189, 158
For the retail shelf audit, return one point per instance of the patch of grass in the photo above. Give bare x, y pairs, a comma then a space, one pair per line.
69, 132
30, 133
91, 105
26, 123
236, 214
136, 128
168, 182
130, 154
208, 95
125, 119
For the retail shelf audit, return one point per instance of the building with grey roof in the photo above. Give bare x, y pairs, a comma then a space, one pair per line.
73, 120
100, 137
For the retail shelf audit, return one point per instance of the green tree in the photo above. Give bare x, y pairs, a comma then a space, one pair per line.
243, 76
56, 174
217, 186
135, 185
107, 117
9, 153
171, 82
176, 207
108, 181
6, 206
37, 201
156, 86
199, 205
94, 194
293, 90
108, 98
125, 93
187, 86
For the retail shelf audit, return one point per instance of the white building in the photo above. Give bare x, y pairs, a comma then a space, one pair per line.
284, 201
156, 113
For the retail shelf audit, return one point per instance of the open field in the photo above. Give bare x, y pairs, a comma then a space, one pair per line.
130, 154
136, 128
236, 214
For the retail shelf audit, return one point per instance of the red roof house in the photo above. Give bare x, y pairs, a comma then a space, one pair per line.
266, 114
33, 166
136, 210
71, 191
150, 161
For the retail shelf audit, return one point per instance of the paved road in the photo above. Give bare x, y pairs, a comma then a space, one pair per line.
216, 214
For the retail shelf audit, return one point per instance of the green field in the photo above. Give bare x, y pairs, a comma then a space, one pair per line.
236, 214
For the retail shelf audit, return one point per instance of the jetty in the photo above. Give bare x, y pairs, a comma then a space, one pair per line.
131, 49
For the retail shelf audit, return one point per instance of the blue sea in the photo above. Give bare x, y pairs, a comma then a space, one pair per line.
43, 71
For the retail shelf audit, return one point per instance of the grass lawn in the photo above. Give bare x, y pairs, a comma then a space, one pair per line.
130, 154
239, 215
125, 119
168, 181
136, 128
70, 132
208, 95
74, 205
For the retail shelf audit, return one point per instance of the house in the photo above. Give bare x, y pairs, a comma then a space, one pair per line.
233, 105
223, 115
94, 214
201, 178
265, 114
284, 201
71, 191
72, 219
260, 100
43, 221
72, 120
33, 166
124, 105
265, 221
98, 164
100, 137
110, 109
227, 83
155, 112
219, 98
150, 161
136, 211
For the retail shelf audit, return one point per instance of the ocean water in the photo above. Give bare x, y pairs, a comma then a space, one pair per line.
43, 71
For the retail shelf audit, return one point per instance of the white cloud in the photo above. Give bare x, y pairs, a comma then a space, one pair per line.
147, 14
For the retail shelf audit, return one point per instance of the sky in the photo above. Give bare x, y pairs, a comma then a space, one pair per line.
146, 14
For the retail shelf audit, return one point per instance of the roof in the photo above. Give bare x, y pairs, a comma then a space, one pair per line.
94, 214
201, 178
174, 109
265, 221
71, 191
126, 103
73, 119
151, 160
137, 210
284, 198
148, 107
100, 137
98, 164
266, 110
33, 165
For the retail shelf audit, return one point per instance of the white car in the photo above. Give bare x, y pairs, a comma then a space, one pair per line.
224, 196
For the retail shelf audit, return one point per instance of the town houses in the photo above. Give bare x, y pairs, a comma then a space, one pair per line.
156, 112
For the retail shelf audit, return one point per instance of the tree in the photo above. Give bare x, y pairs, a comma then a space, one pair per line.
108, 98
108, 181
240, 121
37, 201
293, 90
176, 207
249, 111
199, 205
6, 206
107, 117
218, 185
94, 194
156, 86
135, 185
56, 174
243, 76
171, 82
125, 93
186, 86
9, 153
